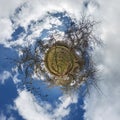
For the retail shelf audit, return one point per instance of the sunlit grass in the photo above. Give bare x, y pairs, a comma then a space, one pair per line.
60, 60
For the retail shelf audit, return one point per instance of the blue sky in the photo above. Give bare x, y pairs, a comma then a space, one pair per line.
9, 88
23, 22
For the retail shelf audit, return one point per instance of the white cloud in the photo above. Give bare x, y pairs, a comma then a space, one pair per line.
3, 117
30, 109
4, 76
31, 10
106, 106
63, 108
5, 30
6, 9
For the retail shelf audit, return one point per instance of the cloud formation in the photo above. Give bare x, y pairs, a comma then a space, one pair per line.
30, 109
106, 105
97, 107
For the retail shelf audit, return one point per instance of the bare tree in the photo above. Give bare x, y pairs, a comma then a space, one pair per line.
78, 36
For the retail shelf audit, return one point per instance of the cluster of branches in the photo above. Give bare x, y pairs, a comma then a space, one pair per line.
81, 34
78, 36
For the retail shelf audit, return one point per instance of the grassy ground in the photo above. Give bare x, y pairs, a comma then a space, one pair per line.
60, 60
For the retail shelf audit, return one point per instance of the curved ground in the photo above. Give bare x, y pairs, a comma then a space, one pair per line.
60, 60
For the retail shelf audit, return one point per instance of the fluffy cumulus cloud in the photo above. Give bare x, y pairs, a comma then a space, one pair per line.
106, 105
7, 9
30, 109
